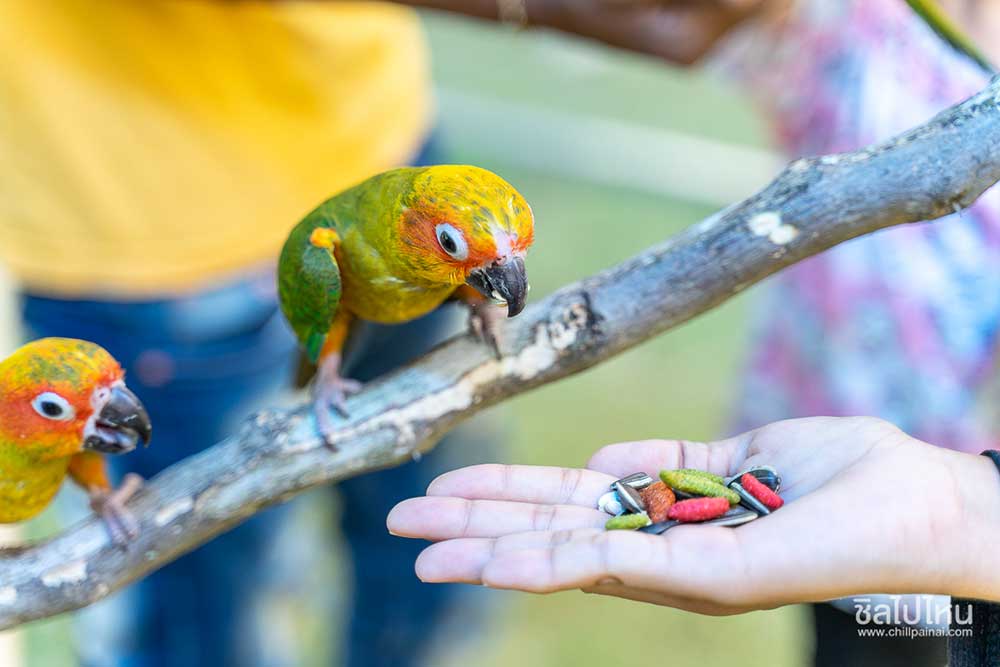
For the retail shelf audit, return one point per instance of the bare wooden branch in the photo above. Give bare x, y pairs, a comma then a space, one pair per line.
931, 171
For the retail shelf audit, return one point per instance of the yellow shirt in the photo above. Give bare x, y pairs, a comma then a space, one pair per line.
149, 147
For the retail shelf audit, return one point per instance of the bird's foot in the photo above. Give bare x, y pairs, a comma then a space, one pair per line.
486, 323
110, 506
331, 391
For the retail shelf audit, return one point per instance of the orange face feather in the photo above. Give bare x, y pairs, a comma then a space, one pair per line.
47, 394
460, 219
62, 403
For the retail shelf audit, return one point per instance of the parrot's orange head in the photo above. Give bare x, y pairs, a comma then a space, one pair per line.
464, 224
59, 396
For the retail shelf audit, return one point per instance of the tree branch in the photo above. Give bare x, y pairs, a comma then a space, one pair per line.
814, 204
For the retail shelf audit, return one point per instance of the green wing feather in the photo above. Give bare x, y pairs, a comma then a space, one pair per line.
309, 281
936, 18
309, 285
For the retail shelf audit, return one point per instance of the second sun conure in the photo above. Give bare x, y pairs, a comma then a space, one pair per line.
392, 249
63, 405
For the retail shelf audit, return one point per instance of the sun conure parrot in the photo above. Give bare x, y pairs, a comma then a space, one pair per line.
393, 248
63, 403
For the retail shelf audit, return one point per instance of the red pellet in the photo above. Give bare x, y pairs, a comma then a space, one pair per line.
658, 499
698, 509
759, 490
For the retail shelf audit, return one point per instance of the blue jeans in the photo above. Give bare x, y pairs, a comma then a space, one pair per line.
200, 364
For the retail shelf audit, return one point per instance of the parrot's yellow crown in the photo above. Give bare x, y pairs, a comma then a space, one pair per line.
458, 218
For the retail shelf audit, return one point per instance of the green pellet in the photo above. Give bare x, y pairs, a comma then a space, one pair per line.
627, 522
699, 483
704, 474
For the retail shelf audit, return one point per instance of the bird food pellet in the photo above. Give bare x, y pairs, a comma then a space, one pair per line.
698, 509
699, 485
758, 490
627, 522
658, 499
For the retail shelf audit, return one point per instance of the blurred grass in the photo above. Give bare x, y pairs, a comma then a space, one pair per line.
679, 385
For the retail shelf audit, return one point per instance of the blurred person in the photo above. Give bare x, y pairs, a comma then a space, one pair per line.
156, 154
835, 470
901, 324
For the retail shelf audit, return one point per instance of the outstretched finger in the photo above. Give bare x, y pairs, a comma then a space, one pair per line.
445, 518
527, 484
462, 560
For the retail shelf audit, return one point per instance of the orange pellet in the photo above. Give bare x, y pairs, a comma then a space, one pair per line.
658, 499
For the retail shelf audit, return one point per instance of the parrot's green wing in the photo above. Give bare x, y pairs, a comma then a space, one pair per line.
309, 285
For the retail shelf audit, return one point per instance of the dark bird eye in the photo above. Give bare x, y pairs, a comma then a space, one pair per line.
448, 243
452, 241
53, 406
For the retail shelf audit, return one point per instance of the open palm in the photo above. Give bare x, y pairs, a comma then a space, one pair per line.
870, 509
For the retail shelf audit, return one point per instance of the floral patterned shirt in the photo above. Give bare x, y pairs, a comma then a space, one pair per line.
900, 324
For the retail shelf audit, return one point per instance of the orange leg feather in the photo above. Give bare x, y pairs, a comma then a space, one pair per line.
331, 388
90, 471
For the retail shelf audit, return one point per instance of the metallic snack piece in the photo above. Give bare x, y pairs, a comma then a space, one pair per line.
748, 500
627, 522
637, 480
766, 475
659, 528
610, 503
630, 498
734, 517
698, 485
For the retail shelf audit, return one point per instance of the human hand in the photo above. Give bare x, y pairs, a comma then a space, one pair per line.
680, 31
869, 509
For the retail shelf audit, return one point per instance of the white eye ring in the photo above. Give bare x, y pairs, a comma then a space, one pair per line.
452, 241
53, 406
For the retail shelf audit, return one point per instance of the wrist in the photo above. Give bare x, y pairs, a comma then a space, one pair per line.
975, 542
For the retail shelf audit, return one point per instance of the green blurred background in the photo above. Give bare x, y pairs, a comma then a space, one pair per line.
615, 152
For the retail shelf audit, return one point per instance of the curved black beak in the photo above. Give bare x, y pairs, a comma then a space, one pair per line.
120, 425
503, 281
